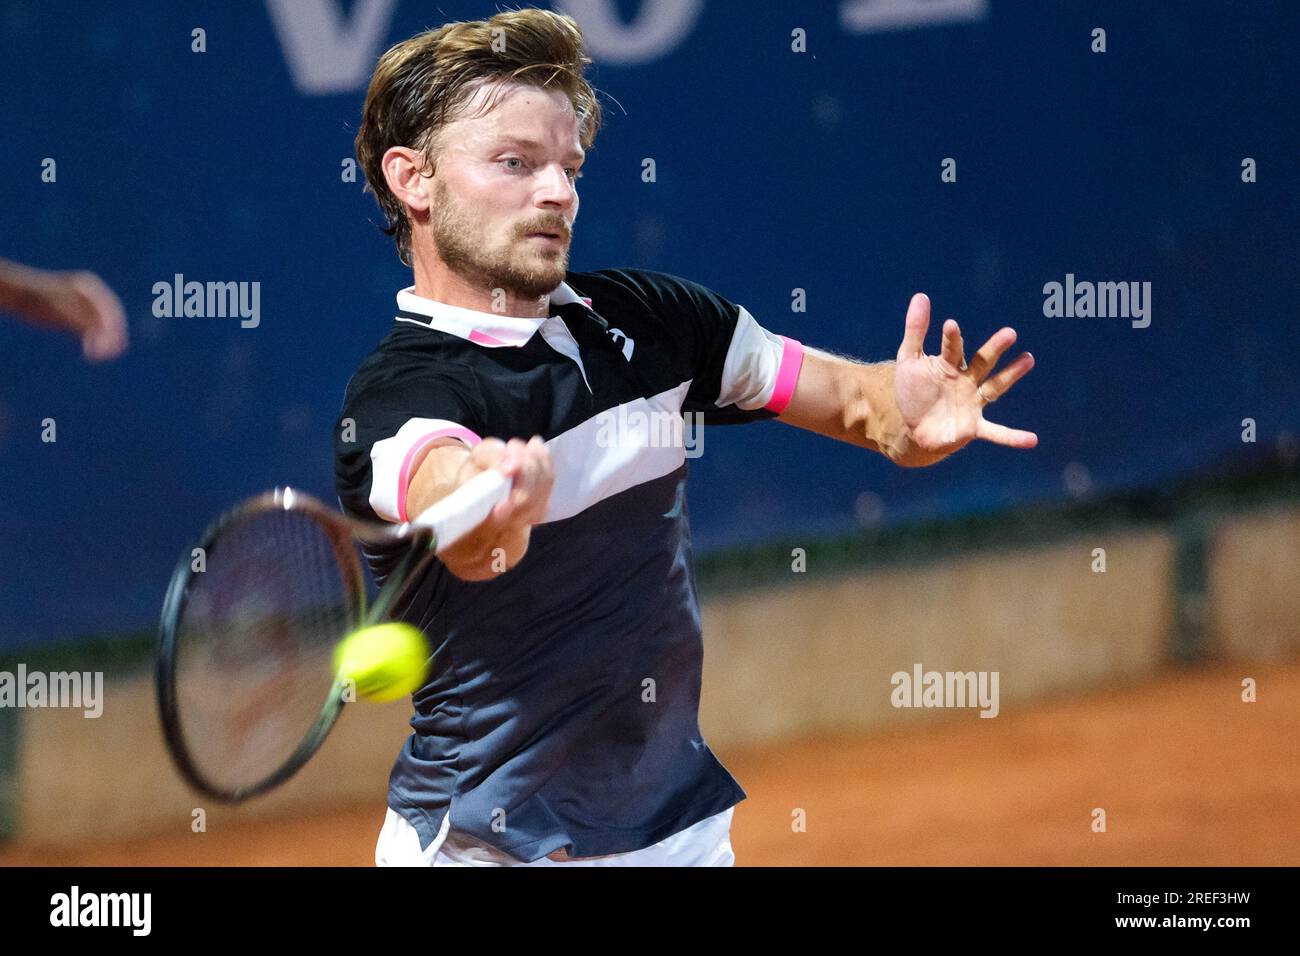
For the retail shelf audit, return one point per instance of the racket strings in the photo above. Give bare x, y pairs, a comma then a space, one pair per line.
255, 643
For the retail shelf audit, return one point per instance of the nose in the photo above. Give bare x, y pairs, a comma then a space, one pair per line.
554, 188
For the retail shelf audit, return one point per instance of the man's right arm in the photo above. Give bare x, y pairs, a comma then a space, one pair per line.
500, 542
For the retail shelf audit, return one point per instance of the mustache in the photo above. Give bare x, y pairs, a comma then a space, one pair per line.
560, 228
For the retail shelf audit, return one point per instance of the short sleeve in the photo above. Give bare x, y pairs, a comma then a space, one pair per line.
388, 418
740, 372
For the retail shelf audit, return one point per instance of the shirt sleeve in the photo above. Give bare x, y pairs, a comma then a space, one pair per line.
740, 372
387, 419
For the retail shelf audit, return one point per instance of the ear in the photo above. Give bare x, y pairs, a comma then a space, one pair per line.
407, 176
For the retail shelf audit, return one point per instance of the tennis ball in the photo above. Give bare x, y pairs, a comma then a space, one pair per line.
387, 661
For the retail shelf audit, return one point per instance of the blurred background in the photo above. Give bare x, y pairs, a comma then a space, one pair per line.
1131, 579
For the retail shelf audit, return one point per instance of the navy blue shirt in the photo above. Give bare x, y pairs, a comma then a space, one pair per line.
562, 708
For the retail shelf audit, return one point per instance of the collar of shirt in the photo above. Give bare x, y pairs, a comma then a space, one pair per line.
484, 328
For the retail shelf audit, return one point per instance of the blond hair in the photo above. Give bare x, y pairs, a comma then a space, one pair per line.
420, 83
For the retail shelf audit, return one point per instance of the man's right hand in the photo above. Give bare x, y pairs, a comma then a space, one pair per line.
500, 542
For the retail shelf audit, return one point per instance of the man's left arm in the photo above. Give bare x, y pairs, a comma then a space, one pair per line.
917, 409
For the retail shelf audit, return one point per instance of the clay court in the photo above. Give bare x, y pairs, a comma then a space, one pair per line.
1187, 773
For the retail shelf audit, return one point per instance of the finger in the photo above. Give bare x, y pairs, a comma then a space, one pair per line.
527, 481
533, 456
505, 462
1001, 435
506, 465
998, 385
507, 511
107, 306
914, 329
100, 345
105, 335
537, 448
537, 492
990, 352
953, 350
518, 461
514, 457
541, 456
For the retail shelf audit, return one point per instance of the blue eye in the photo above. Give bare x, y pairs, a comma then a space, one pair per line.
573, 173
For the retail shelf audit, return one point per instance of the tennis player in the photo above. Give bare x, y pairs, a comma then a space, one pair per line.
560, 722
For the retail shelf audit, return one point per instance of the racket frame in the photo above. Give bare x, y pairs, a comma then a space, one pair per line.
450, 519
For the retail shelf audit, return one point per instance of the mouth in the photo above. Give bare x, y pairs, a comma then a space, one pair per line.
547, 236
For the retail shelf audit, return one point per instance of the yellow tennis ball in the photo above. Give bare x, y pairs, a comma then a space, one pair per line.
386, 661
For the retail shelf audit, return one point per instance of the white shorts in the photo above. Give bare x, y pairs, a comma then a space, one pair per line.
707, 843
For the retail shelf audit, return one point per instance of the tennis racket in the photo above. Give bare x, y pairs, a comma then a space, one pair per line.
245, 679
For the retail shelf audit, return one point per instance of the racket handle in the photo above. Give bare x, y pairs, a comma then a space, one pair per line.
456, 515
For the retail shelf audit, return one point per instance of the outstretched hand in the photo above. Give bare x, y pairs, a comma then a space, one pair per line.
78, 302
941, 398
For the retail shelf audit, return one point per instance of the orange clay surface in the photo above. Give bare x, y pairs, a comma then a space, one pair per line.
1187, 774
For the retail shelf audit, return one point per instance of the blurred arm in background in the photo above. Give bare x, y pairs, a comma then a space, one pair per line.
918, 409
77, 302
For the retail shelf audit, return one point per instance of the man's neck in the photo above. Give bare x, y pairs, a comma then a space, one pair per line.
443, 285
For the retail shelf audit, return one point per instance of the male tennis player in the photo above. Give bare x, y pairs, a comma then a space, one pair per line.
560, 722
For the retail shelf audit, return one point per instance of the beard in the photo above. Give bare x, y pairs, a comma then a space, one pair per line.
519, 266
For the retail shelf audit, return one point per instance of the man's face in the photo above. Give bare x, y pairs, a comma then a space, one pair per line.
501, 180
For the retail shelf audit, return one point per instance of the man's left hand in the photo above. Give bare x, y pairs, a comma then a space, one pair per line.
941, 398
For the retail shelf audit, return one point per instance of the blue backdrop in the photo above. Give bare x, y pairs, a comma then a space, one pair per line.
776, 170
